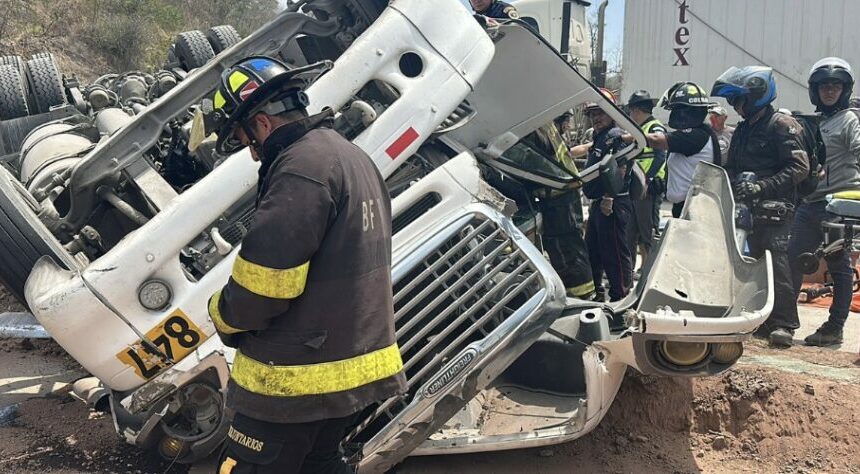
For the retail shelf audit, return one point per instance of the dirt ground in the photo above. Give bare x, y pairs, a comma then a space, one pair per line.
795, 411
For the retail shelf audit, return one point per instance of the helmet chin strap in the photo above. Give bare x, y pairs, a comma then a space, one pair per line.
252, 139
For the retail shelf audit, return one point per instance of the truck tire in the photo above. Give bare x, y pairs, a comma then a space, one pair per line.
13, 94
23, 237
46, 84
193, 49
16, 61
222, 37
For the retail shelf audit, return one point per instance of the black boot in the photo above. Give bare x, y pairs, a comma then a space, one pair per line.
826, 335
762, 332
781, 337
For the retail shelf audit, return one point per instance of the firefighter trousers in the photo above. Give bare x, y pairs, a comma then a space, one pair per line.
255, 446
564, 243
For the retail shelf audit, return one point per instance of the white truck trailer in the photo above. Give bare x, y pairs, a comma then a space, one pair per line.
666, 41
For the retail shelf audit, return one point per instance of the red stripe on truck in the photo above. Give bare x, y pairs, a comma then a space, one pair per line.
402, 143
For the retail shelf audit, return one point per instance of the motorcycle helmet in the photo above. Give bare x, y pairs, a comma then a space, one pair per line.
754, 87
831, 69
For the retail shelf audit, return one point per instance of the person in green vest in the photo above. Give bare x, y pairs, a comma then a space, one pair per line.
646, 212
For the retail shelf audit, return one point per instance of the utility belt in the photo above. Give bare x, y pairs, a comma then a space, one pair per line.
772, 212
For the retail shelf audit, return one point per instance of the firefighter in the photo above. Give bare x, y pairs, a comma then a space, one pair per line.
608, 215
308, 305
771, 145
563, 221
691, 141
646, 212
495, 9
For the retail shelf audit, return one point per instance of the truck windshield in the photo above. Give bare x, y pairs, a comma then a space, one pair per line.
526, 157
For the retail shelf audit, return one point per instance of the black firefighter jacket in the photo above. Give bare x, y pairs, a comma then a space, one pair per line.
309, 302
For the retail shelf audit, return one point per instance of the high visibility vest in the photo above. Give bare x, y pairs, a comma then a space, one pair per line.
647, 156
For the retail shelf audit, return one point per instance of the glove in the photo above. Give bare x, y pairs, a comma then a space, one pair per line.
606, 206
748, 190
657, 186
614, 143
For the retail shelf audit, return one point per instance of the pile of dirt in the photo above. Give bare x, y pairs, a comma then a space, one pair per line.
749, 419
36, 348
8, 302
60, 435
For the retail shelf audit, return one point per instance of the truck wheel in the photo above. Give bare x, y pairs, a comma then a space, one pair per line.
222, 37
16, 61
23, 237
13, 95
193, 49
46, 84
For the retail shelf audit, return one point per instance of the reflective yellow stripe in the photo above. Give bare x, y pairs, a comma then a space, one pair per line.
215, 314
584, 289
237, 80
270, 282
315, 379
227, 466
562, 153
219, 100
853, 195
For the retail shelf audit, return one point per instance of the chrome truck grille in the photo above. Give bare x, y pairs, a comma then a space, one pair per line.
460, 292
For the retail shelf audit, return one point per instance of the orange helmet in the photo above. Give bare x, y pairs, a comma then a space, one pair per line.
606, 93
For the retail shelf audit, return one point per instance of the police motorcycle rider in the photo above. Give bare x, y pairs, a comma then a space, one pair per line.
308, 305
831, 82
691, 141
495, 9
646, 212
609, 215
770, 145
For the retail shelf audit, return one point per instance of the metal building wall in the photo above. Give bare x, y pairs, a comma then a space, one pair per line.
788, 35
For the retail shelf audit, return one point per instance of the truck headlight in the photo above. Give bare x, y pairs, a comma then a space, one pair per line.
728, 352
171, 448
684, 353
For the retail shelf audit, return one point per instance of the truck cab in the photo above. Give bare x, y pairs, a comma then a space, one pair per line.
564, 24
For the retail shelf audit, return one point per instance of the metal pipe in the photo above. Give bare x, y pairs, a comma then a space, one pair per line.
125, 208
600, 77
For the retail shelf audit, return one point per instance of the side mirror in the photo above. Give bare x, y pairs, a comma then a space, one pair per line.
611, 178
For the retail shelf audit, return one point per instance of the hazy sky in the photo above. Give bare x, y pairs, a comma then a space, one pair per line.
614, 32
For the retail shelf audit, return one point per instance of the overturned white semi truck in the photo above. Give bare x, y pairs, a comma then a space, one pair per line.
119, 256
